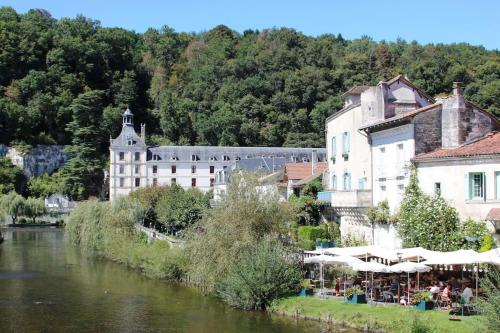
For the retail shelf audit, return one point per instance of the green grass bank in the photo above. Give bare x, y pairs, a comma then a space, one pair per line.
386, 318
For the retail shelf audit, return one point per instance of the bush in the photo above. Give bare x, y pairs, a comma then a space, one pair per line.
107, 229
490, 306
419, 326
311, 233
262, 273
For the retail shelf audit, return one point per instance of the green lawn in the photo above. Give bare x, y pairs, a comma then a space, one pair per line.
390, 318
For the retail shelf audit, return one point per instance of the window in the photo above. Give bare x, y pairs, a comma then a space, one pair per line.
381, 161
173, 169
212, 169
136, 169
174, 157
437, 189
137, 182
155, 182
122, 182
194, 158
237, 158
193, 168
334, 182
122, 156
345, 143
193, 182
173, 181
475, 186
137, 156
155, 169
334, 148
347, 181
212, 182
497, 178
121, 169
225, 158
156, 157
213, 158
361, 184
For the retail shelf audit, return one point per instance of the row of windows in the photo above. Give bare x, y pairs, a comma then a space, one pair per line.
345, 144
137, 156
346, 182
195, 158
173, 181
173, 169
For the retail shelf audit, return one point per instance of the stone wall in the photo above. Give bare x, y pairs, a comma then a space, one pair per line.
427, 127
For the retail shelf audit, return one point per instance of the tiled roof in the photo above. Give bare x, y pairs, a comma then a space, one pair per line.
355, 90
493, 215
300, 171
401, 117
487, 145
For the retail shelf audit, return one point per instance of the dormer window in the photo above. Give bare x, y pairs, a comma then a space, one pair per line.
213, 158
195, 158
130, 142
174, 157
225, 158
237, 158
156, 157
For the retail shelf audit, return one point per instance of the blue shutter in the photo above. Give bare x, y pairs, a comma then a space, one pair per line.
334, 147
348, 148
334, 182
497, 174
467, 187
484, 186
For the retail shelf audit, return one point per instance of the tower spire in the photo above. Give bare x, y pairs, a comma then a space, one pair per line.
128, 118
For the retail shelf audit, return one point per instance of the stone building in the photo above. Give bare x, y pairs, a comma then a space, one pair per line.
133, 164
394, 125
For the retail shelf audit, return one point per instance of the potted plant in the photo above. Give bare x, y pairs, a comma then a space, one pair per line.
422, 300
307, 288
355, 295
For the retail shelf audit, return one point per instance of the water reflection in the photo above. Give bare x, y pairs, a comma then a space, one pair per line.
46, 285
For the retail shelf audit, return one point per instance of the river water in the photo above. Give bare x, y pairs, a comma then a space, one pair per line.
46, 285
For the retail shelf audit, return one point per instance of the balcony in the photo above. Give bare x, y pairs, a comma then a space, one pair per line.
354, 198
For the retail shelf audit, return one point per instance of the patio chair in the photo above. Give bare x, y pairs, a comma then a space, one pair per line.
388, 297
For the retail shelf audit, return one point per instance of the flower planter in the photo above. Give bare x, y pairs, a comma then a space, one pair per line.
425, 305
356, 299
306, 292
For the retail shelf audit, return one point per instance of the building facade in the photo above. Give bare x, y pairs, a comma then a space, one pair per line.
134, 165
396, 126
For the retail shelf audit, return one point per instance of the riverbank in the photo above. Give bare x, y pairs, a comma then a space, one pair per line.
386, 318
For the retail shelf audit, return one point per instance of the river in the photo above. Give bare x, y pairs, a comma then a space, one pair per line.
46, 285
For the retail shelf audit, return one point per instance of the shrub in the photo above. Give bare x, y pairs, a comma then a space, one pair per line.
419, 326
311, 233
262, 273
490, 306
420, 296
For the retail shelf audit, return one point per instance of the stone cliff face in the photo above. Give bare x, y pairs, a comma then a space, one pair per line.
40, 160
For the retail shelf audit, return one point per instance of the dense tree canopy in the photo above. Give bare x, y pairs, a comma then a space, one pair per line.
272, 87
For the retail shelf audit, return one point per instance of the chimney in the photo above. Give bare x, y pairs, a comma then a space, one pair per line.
143, 132
313, 161
458, 89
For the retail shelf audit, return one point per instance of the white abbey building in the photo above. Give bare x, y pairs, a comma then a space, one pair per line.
134, 165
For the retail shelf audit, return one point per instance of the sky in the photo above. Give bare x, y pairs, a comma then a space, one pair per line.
476, 22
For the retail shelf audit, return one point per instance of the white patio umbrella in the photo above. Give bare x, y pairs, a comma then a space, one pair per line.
409, 267
373, 267
489, 257
324, 259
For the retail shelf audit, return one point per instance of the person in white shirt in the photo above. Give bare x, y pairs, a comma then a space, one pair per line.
467, 294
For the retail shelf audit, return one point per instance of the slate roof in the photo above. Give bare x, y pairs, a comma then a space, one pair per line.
217, 153
487, 145
128, 133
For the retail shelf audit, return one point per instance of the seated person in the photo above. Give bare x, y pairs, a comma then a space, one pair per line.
467, 294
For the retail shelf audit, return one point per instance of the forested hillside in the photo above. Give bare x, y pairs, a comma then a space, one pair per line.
68, 81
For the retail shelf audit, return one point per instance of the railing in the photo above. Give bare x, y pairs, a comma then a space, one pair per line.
154, 234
